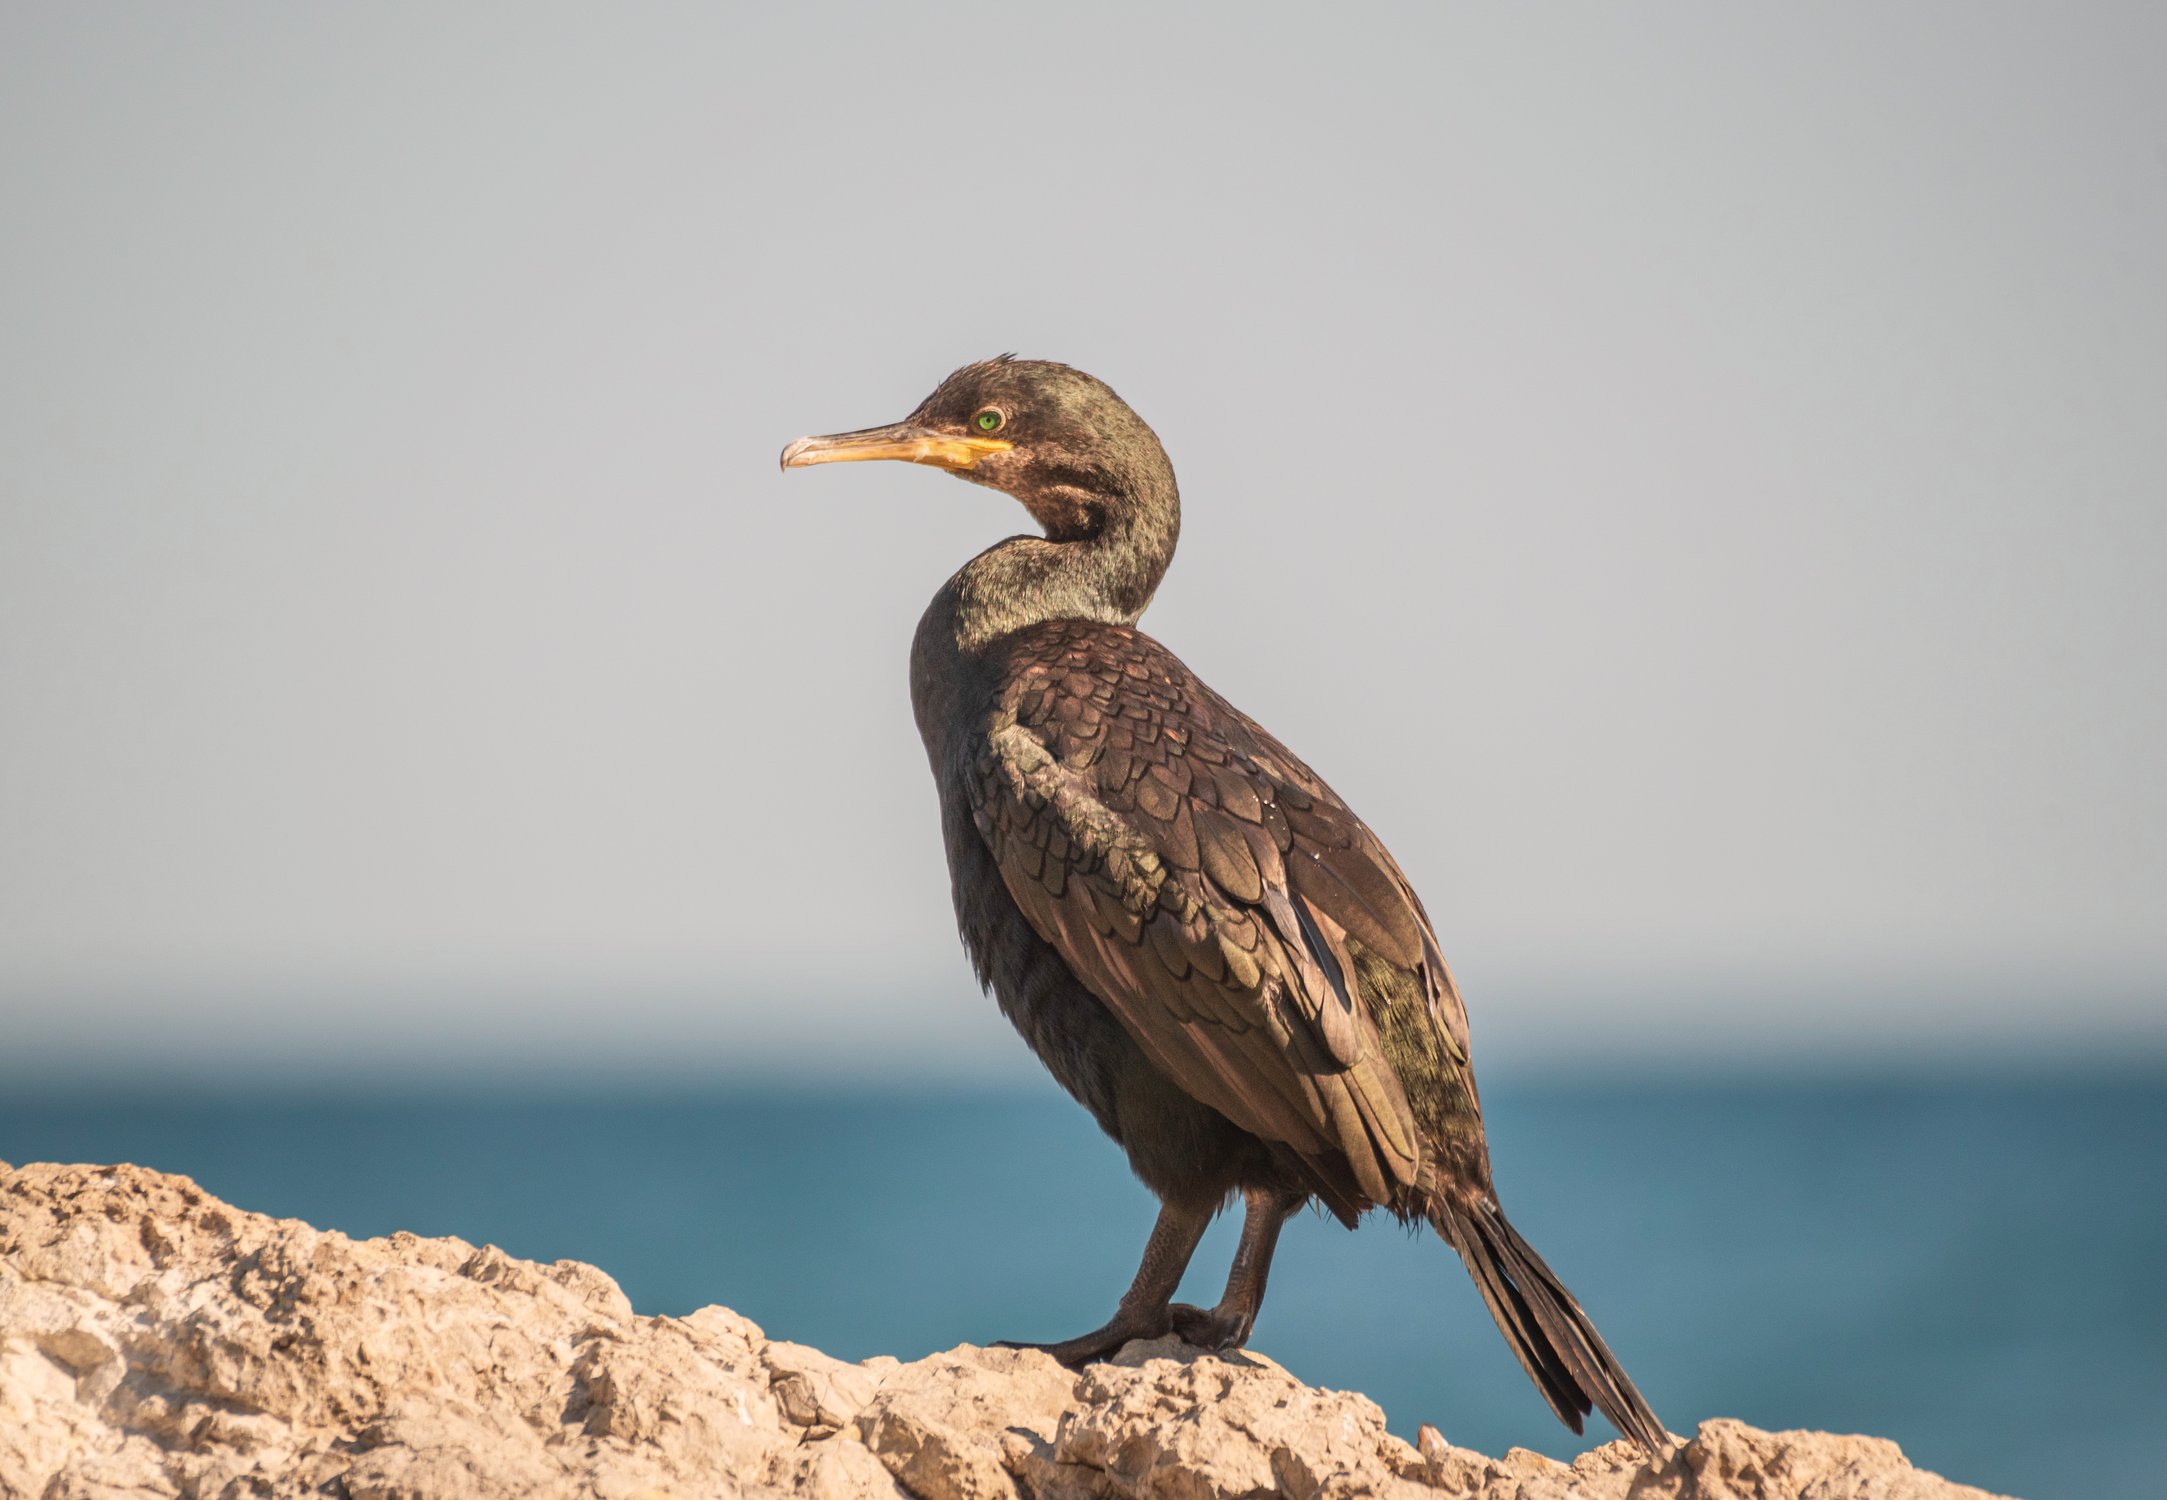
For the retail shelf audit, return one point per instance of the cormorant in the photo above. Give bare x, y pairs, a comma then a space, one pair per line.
1198, 938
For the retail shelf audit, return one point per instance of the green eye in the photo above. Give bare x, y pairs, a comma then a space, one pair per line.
989, 420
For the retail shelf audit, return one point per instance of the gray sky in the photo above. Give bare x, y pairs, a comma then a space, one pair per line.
1694, 478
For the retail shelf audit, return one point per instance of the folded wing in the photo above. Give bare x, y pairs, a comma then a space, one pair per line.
1215, 894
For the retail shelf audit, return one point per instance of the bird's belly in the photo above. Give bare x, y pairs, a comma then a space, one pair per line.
1072, 1033
1182, 1149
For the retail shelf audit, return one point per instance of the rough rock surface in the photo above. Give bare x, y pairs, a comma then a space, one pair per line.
156, 1342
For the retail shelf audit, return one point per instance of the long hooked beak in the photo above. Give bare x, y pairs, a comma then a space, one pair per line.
906, 441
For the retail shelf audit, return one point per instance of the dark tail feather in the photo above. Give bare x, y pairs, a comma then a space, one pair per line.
1556, 1344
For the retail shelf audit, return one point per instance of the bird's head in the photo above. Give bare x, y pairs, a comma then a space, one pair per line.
1055, 438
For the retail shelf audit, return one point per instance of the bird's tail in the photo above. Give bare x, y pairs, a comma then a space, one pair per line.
1556, 1344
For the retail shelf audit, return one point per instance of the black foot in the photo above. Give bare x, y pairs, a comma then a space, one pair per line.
1217, 1328
1100, 1343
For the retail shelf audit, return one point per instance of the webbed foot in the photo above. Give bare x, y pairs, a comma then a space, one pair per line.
1215, 1328
1101, 1343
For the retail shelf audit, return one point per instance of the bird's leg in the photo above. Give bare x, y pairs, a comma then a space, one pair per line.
1227, 1325
1143, 1311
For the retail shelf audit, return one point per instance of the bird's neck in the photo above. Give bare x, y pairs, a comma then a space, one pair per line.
1105, 566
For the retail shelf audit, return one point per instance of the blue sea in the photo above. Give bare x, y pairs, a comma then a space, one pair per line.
1971, 1266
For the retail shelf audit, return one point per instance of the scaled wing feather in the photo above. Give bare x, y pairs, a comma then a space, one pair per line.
1205, 885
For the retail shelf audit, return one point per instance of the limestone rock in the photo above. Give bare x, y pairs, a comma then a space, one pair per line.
156, 1342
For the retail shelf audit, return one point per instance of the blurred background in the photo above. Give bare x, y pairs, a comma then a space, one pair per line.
1692, 478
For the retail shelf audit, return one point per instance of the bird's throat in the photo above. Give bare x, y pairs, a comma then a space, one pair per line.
1108, 575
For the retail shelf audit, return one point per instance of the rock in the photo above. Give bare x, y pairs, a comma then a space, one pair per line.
156, 1342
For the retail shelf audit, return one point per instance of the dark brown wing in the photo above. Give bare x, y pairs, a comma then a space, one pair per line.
1211, 890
